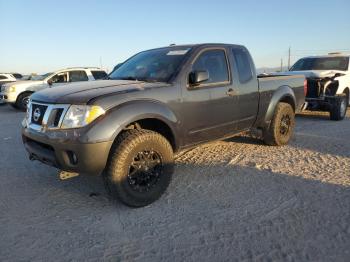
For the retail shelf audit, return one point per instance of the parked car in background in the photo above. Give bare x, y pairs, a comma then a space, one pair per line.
17, 75
17, 94
328, 83
158, 102
26, 77
6, 78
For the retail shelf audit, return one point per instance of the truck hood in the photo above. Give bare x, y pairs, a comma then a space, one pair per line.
313, 73
83, 92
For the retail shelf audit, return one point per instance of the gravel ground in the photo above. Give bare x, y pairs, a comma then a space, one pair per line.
234, 200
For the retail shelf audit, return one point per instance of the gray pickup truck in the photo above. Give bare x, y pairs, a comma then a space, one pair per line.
158, 102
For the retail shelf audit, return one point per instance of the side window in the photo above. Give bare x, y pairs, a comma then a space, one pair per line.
213, 61
244, 68
60, 78
2, 77
99, 74
76, 76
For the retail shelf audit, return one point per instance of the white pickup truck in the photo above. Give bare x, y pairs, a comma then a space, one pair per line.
328, 83
17, 93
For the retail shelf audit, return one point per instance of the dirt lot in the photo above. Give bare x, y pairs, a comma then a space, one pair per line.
230, 200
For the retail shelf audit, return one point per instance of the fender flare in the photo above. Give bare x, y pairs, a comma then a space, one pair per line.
283, 93
109, 126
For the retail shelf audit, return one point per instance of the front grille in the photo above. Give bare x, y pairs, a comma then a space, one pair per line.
313, 88
38, 112
46, 115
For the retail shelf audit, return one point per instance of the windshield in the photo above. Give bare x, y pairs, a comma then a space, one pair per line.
40, 77
321, 63
157, 65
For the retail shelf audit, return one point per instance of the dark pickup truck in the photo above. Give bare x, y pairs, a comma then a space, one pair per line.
158, 102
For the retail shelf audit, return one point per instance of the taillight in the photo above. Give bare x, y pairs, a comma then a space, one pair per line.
305, 87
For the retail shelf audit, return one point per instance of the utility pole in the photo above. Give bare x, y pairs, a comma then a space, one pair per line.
281, 64
288, 58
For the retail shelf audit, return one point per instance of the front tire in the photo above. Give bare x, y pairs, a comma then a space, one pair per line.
139, 168
281, 127
22, 101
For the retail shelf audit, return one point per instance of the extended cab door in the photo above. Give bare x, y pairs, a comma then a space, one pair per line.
211, 107
246, 86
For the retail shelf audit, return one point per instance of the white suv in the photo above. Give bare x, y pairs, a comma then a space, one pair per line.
17, 93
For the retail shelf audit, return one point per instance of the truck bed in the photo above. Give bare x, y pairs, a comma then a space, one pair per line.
268, 84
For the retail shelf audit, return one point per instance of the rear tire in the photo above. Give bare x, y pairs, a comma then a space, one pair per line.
22, 101
281, 127
139, 168
338, 108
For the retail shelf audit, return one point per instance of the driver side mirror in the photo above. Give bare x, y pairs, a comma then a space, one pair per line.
49, 82
198, 77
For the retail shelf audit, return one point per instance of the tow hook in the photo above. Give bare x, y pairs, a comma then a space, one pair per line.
67, 175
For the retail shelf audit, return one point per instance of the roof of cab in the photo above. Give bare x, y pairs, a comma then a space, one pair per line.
195, 45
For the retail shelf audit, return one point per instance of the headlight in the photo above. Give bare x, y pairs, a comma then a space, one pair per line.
11, 89
81, 115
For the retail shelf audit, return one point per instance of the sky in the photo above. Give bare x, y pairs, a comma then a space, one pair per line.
42, 36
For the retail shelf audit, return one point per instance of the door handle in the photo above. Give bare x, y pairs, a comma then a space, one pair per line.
231, 92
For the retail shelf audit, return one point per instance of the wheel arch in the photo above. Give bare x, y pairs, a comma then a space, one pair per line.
154, 124
24, 92
150, 115
282, 94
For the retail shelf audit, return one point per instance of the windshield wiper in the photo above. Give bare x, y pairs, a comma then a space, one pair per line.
128, 78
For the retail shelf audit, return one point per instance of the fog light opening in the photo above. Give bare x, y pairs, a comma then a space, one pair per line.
73, 159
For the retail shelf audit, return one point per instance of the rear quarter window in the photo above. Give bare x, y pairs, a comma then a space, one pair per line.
99, 74
2, 77
242, 60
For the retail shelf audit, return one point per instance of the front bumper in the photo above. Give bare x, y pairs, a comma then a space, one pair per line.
324, 103
7, 98
62, 149
3, 98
